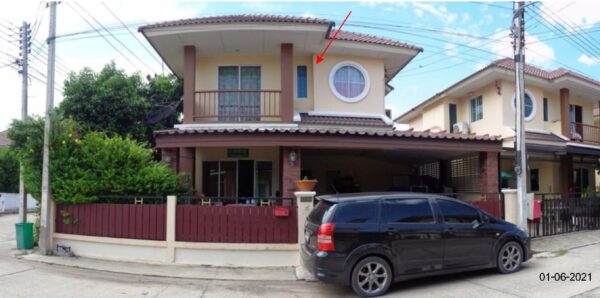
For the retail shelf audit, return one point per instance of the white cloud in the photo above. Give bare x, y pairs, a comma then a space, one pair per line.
465, 17
582, 14
418, 12
440, 11
451, 50
536, 51
589, 61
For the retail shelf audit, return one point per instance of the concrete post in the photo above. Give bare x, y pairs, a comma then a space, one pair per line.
304, 201
511, 206
171, 213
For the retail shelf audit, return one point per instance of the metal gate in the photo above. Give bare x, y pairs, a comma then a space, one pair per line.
576, 212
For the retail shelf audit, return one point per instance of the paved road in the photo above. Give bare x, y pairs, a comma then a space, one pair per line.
19, 278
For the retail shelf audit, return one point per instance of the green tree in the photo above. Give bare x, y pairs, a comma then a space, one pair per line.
84, 165
109, 101
119, 104
9, 171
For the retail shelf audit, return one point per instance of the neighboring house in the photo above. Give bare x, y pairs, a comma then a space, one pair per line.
4, 140
259, 113
563, 142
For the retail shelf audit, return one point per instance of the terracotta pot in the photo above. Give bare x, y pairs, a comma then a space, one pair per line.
306, 185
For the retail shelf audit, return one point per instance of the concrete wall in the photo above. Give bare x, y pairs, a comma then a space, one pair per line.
171, 251
9, 202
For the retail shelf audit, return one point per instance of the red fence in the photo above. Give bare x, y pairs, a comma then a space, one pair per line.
113, 220
236, 224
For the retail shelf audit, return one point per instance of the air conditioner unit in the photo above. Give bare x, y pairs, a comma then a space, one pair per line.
461, 127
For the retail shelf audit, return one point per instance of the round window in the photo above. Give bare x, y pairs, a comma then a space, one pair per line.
349, 81
529, 106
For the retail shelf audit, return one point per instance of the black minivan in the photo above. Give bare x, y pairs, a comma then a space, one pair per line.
369, 240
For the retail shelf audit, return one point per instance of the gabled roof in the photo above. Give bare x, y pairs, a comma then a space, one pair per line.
310, 119
508, 64
238, 18
266, 18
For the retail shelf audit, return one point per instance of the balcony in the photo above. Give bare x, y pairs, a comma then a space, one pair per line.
237, 106
585, 133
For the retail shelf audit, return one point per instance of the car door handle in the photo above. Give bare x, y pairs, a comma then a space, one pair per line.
449, 232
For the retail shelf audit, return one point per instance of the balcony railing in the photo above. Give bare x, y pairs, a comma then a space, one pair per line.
585, 133
237, 106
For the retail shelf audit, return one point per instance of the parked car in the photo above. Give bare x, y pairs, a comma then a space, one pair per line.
369, 240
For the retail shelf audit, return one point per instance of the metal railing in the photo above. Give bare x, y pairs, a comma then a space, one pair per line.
559, 214
235, 201
237, 106
585, 133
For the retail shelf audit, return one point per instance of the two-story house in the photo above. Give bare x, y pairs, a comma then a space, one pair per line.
260, 112
562, 140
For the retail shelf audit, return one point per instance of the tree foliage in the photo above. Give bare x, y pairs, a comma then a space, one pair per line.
9, 171
84, 165
119, 104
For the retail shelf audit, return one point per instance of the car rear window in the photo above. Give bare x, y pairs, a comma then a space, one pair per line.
357, 212
407, 211
316, 215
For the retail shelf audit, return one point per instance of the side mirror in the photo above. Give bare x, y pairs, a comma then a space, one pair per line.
477, 224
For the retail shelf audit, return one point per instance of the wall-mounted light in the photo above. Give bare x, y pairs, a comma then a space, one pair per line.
292, 157
167, 159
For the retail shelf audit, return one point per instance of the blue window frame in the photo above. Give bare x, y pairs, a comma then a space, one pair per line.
301, 81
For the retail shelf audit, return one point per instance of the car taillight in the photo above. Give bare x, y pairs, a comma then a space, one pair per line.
325, 237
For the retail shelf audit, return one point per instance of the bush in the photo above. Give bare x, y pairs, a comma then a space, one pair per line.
9, 171
83, 168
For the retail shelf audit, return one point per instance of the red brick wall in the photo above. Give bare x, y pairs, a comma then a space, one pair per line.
169, 156
289, 173
488, 171
186, 163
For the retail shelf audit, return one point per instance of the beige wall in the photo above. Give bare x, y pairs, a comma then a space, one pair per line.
318, 80
220, 154
498, 111
373, 103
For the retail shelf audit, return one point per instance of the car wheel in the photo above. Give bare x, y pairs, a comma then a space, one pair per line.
510, 257
371, 277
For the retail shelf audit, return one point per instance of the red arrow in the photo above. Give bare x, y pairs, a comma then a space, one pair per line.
320, 57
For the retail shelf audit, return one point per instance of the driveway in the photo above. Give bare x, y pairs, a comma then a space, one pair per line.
20, 278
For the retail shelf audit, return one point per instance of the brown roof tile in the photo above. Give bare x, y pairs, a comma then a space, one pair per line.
529, 69
308, 119
360, 37
332, 131
239, 18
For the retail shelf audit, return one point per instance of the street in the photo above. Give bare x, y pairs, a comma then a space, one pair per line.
20, 278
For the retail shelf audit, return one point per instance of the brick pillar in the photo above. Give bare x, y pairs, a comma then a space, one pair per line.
289, 172
488, 172
169, 156
565, 123
287, 82
186, 164
189, 83
566, 175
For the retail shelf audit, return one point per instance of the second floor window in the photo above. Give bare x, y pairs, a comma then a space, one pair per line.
301, 81
545, 109
349, 81
476, 109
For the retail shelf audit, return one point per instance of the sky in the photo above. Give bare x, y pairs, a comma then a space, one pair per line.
458, 38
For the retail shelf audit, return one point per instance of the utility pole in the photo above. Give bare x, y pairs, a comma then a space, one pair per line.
25, 44
518, 32
46, 222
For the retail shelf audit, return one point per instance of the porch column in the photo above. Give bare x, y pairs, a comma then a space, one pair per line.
287, 83
189, 83
488, 172
290, 170
566, 175
169, 157
186, 163
565, 125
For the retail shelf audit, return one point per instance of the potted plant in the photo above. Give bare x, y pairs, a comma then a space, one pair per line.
306, 184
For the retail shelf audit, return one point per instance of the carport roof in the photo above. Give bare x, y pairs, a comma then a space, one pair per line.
325, 138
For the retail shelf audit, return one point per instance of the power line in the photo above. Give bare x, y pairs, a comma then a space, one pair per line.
102, 35
118, 40
132, 34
